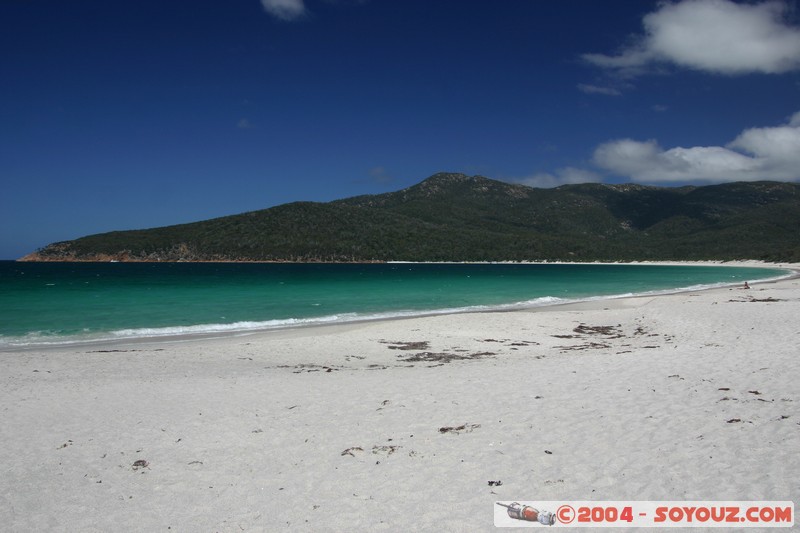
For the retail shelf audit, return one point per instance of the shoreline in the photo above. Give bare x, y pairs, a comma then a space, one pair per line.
380, 425
230, 330
710, 262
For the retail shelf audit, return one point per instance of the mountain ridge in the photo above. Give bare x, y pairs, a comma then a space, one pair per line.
455, 217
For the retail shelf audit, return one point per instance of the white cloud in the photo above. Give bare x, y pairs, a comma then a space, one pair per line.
776, 143
717, 36
284, 9
244, 124
562, 176
598, 89
755, 154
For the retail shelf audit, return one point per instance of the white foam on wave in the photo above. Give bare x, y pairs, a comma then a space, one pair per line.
50, 339
231, 327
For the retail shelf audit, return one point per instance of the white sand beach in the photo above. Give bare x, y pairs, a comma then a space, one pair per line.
400, 425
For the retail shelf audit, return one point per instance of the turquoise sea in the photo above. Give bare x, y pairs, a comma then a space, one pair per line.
44, 303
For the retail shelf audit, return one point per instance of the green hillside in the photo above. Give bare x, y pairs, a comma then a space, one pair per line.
453, 217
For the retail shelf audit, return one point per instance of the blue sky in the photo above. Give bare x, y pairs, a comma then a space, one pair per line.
123, 115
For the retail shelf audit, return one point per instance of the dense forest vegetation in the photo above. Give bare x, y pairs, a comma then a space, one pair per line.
453, 217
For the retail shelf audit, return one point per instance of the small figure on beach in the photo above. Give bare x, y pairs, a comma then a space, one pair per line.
746, 285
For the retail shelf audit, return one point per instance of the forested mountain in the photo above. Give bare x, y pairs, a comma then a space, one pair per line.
453, 217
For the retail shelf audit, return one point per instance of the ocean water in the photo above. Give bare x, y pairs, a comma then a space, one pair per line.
46, 303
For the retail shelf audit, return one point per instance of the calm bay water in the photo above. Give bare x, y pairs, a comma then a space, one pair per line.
64, 302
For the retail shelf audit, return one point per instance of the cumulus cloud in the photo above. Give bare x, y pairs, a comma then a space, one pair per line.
562, 176
284, 9
755, 154
718, 36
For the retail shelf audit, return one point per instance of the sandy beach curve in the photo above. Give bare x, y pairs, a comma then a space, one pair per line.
412, 424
